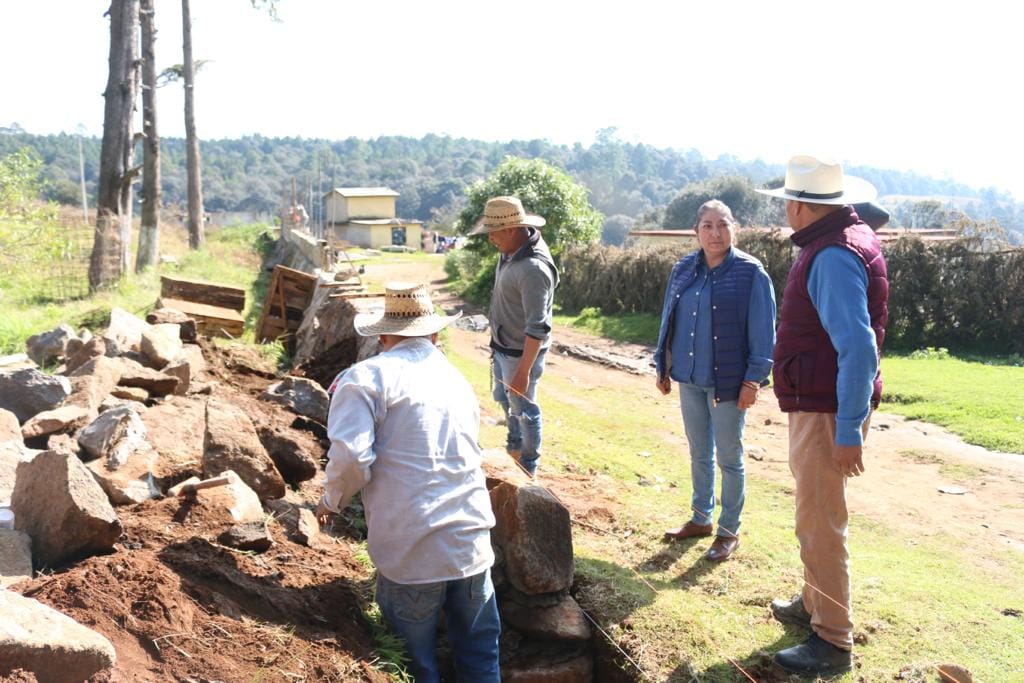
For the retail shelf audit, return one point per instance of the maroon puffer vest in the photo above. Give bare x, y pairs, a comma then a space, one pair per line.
804, 375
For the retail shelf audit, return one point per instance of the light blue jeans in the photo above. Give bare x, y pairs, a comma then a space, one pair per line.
714, 429
471, 617
522, 413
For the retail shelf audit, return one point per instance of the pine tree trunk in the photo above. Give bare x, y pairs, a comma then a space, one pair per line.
105, 265
149, 232
196, 215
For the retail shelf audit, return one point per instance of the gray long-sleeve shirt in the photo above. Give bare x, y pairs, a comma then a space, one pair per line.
523, 297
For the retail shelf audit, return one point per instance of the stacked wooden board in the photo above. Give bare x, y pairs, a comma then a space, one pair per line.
216, 308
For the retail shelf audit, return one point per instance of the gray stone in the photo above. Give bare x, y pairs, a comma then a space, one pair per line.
93, 380
578, 669
59, 420
562, 621
49, 348
248, 536
134, 374
194, 355
534, 532
231, 443
94, 348
130, 482
161, 344
16, 361
175, 429
130, 394
186, 325
114, 436
58, 503
52, 646
15, 557
304, 396
182, 369
291, 453
236, 502
307, 529
125, 329
28, 391
11, 453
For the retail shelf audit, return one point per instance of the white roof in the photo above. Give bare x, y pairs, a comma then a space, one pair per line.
382, 221
364, 192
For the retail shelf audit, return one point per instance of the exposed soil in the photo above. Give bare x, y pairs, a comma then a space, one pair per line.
179, 606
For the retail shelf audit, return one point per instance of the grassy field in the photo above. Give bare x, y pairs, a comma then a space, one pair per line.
981, 401
918, 602
231, 256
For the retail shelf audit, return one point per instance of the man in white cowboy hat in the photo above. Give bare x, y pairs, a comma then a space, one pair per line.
520, 320
403, 427
826, 377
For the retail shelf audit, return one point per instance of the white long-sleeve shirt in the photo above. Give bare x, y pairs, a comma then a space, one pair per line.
403, 427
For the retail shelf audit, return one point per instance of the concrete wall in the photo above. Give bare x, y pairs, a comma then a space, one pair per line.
340, 209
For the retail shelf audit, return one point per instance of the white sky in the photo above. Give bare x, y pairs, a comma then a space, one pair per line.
928, 86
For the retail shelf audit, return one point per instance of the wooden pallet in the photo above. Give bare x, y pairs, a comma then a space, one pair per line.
288, 296
216, 308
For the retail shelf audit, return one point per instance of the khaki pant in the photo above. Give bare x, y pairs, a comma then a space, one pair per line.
821, 521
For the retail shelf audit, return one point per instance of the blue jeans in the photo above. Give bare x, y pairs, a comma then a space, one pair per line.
714, 429
471, 616
522, 414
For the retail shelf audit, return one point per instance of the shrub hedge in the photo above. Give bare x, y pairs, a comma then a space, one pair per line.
948, 294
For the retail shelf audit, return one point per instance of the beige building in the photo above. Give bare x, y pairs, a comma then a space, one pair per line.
365, 217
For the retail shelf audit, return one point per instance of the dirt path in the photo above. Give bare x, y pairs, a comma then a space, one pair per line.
908, 463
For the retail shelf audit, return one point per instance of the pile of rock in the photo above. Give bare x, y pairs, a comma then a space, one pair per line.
546, 635
116, 419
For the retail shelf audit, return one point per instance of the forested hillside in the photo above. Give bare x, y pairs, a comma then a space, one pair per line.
629, 183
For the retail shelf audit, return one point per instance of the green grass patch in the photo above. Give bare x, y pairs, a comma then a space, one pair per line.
982, 402
918, 602
637, 328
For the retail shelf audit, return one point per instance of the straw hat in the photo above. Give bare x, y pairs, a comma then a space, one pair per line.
408, 312
821, 181
505, 212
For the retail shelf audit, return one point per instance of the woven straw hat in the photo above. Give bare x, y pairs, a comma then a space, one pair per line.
821, 181
408, 312
505, 212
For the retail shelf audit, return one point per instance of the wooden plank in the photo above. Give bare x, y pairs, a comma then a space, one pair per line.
209, 293
193, 309
355, 295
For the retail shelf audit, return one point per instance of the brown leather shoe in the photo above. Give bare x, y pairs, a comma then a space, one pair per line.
723, 547
688, 530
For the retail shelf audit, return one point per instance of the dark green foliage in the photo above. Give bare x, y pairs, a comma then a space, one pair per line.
748, 207
951, 294
544, 190
615, 229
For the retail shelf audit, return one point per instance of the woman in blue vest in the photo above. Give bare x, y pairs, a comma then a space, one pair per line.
716, 339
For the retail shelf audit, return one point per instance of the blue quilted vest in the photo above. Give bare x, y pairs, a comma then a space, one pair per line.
730, 299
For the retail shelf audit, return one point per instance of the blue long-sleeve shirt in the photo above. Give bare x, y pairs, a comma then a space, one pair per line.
838, 283
692, 340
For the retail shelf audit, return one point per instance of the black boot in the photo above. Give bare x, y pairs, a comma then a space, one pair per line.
792, 612
815, 657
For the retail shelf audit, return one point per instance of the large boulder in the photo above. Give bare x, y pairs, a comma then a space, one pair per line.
562, 621
302, 395
234, 503
231, 443
95, 347
10, 430
534, 532
186, 325
58, 503
93, 380
54, 647
134, 374
49, 348
114, 436
28, 391
175, 429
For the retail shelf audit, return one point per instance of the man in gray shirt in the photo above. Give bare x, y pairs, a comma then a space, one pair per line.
404, 427
520, 319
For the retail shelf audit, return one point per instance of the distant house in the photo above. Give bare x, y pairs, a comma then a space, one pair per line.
365, 217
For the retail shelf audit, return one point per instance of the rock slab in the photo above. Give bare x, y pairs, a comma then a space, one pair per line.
52, 646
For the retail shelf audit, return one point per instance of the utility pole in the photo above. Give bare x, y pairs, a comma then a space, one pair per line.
81, 176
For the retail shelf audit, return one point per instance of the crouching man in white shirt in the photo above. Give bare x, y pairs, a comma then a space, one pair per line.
403, 427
